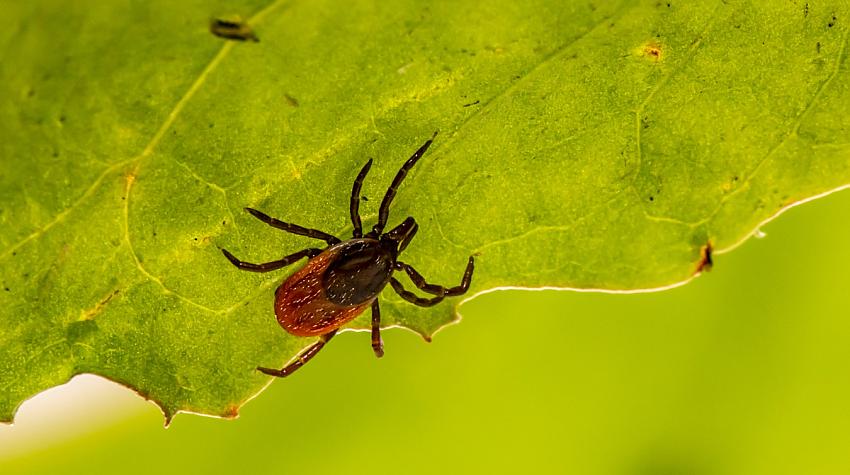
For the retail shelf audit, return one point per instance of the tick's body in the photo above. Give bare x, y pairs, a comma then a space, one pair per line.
334, 287
341, 281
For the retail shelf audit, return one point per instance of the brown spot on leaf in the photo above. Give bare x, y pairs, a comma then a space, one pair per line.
130, 178
653, 50
93, 312
706, 262
232, 28
291, 100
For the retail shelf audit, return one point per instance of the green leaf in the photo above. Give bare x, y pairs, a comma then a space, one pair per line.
609, 146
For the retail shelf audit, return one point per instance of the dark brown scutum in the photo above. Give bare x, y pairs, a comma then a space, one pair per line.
359, 271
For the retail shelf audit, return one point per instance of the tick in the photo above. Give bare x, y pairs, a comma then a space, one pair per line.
340, 281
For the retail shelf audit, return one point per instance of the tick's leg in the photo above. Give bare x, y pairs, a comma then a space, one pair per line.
302, 359
384, 211
355, 199
420, 282
377, 344
413, 298
273, 265
293, 228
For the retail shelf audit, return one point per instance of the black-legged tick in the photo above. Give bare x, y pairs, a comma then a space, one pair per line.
340, 281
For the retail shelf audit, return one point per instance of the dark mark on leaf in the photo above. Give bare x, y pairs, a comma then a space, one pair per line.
232, 29
291, 100
652, 50
98, 308
706, 261
471, 104
231, 412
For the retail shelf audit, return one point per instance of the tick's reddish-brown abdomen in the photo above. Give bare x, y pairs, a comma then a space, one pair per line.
301, 303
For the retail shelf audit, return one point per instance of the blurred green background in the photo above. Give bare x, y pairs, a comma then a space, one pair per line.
742, 371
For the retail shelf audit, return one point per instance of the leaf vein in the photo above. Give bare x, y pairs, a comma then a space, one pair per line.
61, 216
214, 187
157, 138
691, 53
791, 133
553, 55
550, 228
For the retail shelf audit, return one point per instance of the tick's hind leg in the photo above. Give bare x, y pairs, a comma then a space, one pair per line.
293, 228
302, 359
273, 265
377, 344
434, 289
413, 298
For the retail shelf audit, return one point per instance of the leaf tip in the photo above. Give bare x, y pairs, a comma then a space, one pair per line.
231, 412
